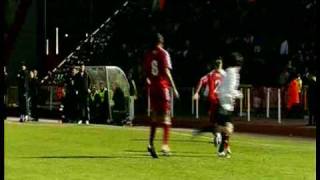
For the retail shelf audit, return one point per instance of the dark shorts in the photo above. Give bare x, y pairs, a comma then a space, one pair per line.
223, 116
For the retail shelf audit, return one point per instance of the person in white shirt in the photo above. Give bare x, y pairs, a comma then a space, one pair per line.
228, 93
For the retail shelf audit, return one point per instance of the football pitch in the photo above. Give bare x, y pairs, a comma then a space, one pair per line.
47, 151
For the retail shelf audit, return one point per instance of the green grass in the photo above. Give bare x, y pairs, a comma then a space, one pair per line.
36, 151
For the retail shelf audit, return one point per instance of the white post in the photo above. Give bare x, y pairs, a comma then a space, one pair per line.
268, 102
279, 106
148, 109
108, 90
241, 103
248, 104
47, 46
197, 109
192, 102
57, 40
172, 102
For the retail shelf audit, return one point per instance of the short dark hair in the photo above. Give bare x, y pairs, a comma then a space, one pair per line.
235, 59
217, 62
157, 38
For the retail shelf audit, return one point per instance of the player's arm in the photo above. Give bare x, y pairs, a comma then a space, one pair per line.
202, 82
172, 82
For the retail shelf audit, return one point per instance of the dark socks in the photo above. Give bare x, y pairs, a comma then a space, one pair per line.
153, 127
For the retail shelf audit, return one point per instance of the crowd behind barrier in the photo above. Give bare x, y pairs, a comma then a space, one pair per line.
257, 102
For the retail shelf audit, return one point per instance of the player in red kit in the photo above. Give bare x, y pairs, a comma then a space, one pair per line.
157, 66
212, 81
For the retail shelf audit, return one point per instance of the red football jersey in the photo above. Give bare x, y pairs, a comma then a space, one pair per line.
155, 63
212, 80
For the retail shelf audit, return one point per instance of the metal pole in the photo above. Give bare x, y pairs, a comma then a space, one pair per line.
241, 103
108, 88
192, 102
268, 102
279, 106
248, 104
197, 109
47, 46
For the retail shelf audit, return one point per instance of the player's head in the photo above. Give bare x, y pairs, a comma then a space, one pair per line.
93, 89
73, 70
235, 59
82, 67
157, 39
217, 64
101, 85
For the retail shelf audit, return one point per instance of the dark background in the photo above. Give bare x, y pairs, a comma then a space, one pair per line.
206, 24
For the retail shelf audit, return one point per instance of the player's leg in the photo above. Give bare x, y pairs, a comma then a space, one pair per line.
153, 127
213, 113
154, 100
166, 132
226, 142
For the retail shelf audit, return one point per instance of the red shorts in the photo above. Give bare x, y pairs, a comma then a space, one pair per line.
160, 100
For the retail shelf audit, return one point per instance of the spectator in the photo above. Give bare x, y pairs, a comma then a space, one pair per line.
311, 95
104, 107
119, 103
34, 93
71, 96
133, 95
23, 92
293, 99
94, 104
82, 85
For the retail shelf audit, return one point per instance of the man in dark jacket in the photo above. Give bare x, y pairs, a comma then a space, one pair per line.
34, 93
23, 90
104, 108
312, 100
82, 89
70, 109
